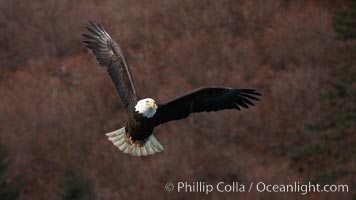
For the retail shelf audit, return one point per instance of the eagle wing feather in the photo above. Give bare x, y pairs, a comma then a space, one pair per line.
206, 99
108, 53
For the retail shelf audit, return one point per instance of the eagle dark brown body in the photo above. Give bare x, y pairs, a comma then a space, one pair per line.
138, 126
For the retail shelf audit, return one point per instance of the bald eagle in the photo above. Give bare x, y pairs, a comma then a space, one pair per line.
144, 114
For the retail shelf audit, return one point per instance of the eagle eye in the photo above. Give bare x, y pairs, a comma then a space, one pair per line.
147, 101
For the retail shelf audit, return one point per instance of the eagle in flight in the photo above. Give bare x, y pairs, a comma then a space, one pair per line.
144, 114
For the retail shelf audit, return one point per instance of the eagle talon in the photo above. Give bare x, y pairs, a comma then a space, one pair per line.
139, 143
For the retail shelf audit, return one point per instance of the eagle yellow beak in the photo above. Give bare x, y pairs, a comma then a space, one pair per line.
151, 104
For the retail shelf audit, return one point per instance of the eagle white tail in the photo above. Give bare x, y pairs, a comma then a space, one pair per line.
120, 139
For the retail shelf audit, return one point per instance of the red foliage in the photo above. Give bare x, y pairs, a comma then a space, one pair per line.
57, 104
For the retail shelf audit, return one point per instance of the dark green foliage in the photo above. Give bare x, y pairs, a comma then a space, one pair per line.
75, 187
345, 23
327, 147
330, 141
8, 191
328, 177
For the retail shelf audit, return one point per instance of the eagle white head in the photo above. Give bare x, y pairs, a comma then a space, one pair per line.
147, 107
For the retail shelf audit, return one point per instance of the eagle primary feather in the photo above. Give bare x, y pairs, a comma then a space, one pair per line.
204, 100
144, 115
109, 54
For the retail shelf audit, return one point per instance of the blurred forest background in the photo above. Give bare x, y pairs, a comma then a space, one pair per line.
56, 103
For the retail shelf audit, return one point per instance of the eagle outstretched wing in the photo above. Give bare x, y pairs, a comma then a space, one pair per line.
109, 54
204, 100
